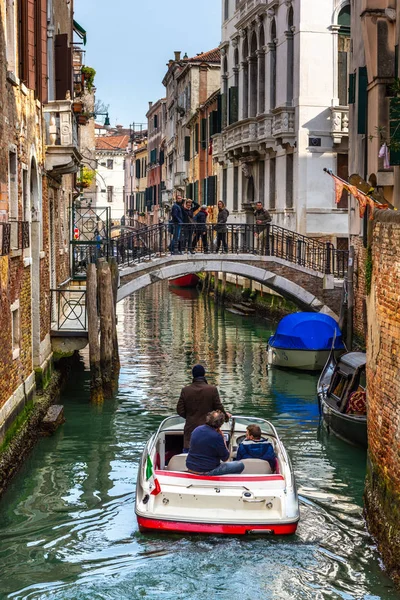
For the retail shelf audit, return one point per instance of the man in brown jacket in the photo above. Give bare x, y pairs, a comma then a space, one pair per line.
196, 401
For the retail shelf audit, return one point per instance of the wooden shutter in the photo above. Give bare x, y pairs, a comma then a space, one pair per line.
352, 88
138, 168
362, 100
196, 138
196, 192
155, 121
394, 131
211, 190
210, 125
187, 147
189, 191
30, 68
235, 188
204, 133
204, 191
224, 109
23, 40
63, 66
233, 105
219, 113
161, 157
41, 51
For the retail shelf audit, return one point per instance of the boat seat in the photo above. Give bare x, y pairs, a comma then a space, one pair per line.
256, 466
177, 463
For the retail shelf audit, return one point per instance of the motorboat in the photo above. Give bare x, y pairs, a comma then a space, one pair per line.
303, 341
258, 501
186, 281
342, 397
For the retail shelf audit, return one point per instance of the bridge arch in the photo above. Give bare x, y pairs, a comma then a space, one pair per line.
280, 284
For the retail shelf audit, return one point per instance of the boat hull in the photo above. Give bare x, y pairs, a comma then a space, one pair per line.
146, 525
303, 360
186, 281
350, 428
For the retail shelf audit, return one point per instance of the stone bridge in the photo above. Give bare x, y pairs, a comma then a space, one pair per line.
309, 289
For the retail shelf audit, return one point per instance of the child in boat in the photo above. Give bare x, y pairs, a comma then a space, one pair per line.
254, 446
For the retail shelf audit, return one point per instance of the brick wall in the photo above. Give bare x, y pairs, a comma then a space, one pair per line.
383, 382
360, 316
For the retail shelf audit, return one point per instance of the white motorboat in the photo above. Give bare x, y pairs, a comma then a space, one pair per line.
258, 501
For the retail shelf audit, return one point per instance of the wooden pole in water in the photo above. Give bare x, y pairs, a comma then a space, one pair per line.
223, 289
106, 328
96, 384
114, 282
216, 281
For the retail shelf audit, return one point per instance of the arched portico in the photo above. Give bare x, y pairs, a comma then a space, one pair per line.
133, 280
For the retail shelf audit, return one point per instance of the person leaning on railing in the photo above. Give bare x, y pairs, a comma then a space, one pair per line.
262, 218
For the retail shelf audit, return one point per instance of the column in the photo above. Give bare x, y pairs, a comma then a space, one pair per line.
245, 88
253, 85
261, 81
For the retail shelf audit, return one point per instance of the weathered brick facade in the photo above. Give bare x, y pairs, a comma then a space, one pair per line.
360, 309
383, 382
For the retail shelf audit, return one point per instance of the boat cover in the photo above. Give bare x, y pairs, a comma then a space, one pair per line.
306, 331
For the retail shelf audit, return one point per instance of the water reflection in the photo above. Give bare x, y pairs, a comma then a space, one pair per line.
67, 528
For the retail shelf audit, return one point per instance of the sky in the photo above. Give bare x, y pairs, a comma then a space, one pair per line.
129, 43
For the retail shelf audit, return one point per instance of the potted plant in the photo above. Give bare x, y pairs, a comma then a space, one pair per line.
89, 74
77, 106
86, 177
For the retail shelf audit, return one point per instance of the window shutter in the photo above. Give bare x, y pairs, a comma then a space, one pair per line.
189, 191
204, 133
342, 77
23, 40
161, 157
394, 113
362, 100
233, 105
31, 41
224, 108
352, 88
210, 125
187, 147
219, 113
204, 191
137, 168
63, 66
211, 190
196, 192
155, 121
196, 138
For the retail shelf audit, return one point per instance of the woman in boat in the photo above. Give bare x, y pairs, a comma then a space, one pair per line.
254, 446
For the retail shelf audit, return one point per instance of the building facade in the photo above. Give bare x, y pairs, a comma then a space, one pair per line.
110, 174
156, 118
285, 115
39, 160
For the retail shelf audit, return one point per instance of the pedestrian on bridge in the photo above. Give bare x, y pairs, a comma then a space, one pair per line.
188, 209
262, 218
177, 220
201, 228
221, 227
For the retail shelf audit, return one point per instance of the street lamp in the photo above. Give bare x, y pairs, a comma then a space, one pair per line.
106, 120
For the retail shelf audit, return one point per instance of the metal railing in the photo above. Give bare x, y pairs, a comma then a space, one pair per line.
68, 310
5, 238
84, 253
14, 235
268, 240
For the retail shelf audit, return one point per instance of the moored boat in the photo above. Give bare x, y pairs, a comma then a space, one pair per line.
304, 341
258, 501
342, 397
186, 281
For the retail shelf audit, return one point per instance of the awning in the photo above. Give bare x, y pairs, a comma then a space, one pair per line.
80, 32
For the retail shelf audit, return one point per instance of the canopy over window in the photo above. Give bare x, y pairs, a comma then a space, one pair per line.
80, 32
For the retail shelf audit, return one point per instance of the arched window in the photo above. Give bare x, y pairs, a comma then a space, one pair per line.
343, 22
272, 54
290, 57
261, 72
253, 75
236, 67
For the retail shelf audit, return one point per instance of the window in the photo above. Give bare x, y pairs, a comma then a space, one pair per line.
343, 53
13, 196
110, 163
235, 188
272, 183
224, 186
289, 181
226, 10
155, 121
15, 329
110, 193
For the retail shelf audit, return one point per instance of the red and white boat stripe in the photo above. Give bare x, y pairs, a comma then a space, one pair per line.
219, 528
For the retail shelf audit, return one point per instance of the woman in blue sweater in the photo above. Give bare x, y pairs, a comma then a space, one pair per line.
255, 447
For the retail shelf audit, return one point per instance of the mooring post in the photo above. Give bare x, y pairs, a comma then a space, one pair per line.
106, 328
96, 384
114, 282
216, 281
223, 287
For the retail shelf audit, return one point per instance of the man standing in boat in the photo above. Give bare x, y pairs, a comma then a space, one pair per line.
196, 401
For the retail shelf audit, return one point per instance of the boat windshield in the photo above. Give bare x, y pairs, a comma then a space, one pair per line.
171, 422
265, 426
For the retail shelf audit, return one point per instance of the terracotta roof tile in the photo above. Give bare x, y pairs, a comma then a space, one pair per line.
112, 142
213, 56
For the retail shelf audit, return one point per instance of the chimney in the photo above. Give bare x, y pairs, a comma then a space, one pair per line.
119, 126
150, 105
177, 55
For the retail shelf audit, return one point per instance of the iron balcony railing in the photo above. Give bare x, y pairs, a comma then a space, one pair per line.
84, 253
68, 310
268, 240
14, 235
5, 238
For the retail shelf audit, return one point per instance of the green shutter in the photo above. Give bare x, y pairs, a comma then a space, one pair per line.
196, 192
196, 138
204, 191
224, 108
211, 190
233, 104
352, 88
214, 116
187, 147
394, 113
137, 168
219, 114
362, 100
210, 125
204, 133
189, 191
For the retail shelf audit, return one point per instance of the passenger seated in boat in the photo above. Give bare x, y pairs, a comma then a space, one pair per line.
208, 448
254, 446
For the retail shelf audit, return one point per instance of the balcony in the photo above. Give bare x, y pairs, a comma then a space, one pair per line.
339, 123
62, 154
249, 136
283, 125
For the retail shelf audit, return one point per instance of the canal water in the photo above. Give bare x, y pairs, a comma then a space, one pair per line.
67, 524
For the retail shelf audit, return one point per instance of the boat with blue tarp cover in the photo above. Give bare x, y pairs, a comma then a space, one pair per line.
304, 340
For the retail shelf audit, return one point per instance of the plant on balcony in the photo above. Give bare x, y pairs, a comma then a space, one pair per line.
89, 74
77, 107
86, 177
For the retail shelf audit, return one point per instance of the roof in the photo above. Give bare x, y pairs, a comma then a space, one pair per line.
354, 359
210, 56
112, 142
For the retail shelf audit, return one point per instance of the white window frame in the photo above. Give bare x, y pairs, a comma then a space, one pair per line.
15, 330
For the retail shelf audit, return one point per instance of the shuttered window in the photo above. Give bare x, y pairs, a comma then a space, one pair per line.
289, 181
63, 66
187, 147
235, 188
41, 51
204, 191
272, 182
224, 185
204, 133
23, 40
362, 100
189, 191
394, 131
138, 168
212, 190
196, 192
233, 105
352, 88
196, 138
219, 114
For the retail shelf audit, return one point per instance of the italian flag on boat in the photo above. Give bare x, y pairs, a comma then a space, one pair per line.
153, 481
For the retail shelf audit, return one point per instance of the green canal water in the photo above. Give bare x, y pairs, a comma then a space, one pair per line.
67, 523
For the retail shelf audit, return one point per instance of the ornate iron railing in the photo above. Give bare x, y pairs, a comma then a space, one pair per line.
84, 253
23, 235
69, 310
5, 238
269, 240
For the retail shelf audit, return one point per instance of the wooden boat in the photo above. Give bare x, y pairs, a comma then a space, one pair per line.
169, 498
186, 281
303, 341
343, 412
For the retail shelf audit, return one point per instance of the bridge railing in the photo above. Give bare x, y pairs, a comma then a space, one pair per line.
268, 240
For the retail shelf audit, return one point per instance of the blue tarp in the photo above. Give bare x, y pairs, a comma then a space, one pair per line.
306, 331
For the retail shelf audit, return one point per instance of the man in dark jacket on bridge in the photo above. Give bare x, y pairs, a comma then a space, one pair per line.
177, 220
196, 401
262, 218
